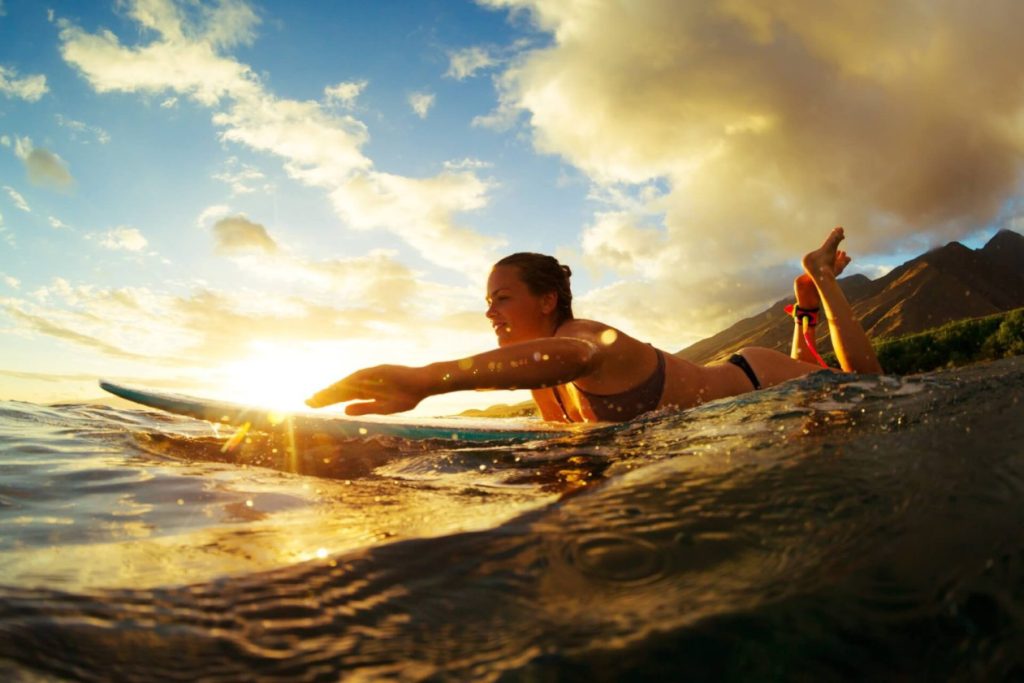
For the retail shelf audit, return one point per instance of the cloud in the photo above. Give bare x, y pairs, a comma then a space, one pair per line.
169, 103
229, 23
237, 234
30, 88
421, 103
331, 303
344, 94
767, 124
318, 147
620, 242
224, 24
101, 136
467, 164
17, 199
44, 168
51, 329
124, 323
243, 178
502, 118
189, 67
375, 284
57, 223
212, 213
5, 140
123, 239
463, 64
11, 281
420, 211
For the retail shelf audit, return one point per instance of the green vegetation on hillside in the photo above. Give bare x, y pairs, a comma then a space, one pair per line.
954, 344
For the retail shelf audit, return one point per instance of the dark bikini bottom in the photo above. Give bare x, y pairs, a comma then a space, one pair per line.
741, 362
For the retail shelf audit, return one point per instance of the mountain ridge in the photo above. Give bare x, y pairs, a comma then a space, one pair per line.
949, 283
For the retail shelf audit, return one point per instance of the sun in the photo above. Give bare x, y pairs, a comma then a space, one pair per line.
280, 376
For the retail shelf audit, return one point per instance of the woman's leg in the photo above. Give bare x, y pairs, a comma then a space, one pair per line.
807, 298
850, 342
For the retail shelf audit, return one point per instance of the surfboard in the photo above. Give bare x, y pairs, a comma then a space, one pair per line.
509, 430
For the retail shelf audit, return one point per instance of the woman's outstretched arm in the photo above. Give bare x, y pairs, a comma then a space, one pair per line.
534, 364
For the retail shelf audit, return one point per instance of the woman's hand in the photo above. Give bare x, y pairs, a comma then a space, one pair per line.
384, 389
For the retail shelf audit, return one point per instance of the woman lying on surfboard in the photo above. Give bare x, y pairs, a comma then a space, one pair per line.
583, 370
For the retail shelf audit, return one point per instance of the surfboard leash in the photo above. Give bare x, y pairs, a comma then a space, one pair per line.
807, 319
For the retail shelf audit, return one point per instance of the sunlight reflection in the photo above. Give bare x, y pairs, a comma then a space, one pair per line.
236, 438
280, 376
276, 376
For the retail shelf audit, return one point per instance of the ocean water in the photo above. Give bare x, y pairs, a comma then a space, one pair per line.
833, 528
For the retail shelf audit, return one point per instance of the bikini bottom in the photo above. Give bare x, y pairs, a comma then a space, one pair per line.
741, 362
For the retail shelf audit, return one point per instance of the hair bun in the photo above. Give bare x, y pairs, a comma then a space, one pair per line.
541, 274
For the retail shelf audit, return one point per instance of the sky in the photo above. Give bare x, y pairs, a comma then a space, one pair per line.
249, 200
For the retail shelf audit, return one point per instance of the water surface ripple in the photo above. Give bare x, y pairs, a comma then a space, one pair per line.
828, 529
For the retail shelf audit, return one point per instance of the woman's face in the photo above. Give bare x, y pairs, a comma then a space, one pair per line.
516, 314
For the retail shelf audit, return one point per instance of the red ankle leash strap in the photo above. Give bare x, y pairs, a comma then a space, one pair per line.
807, 318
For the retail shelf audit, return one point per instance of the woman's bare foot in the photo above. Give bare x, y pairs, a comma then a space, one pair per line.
850, 342
822, 261
805, 289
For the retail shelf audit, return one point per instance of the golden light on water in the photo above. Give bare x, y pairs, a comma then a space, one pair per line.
236, 438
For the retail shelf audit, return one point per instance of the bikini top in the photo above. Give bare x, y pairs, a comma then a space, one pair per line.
626, 405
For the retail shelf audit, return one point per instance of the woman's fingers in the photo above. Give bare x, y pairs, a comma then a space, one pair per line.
338, 392
383, 389
367, 408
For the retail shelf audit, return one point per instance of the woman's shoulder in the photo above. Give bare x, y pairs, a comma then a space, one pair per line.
586, 329
595, 331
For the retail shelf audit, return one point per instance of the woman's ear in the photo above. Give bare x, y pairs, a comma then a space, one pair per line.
548, 302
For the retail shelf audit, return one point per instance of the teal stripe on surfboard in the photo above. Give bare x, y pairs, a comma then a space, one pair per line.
454, 429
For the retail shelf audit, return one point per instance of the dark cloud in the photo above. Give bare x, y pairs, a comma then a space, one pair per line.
46, 169
237, 234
